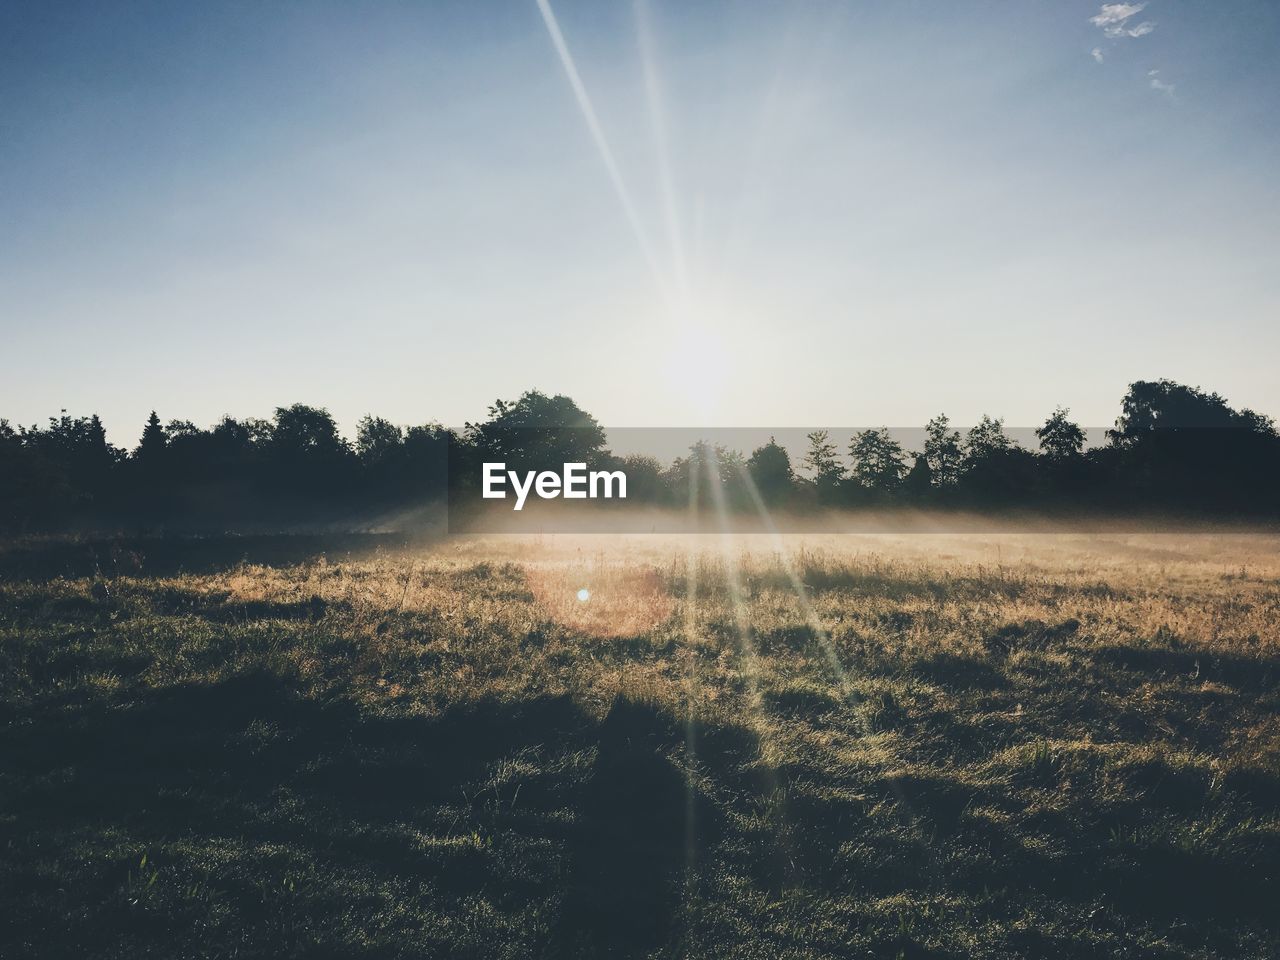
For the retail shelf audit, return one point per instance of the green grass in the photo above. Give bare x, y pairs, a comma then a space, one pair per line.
954, 747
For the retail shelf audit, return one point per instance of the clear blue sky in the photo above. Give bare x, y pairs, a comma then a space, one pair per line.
852, 213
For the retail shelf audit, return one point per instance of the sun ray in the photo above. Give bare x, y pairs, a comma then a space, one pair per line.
733, 582
807, 608
658, 128
847, 691
747, 655
691, 666
602, 146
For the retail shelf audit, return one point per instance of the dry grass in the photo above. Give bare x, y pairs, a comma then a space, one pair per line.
861, 745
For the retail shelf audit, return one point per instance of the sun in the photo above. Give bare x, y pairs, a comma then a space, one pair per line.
697, 370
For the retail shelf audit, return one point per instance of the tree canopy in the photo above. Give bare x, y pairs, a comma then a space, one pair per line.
1173, 447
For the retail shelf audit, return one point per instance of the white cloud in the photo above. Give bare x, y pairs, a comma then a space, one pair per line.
1140, 30
1112, 13
1113, 19
1157, 84
1116, 21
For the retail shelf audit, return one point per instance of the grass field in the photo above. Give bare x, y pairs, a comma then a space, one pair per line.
862, 746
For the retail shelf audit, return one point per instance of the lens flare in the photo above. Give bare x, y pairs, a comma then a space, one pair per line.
600, 600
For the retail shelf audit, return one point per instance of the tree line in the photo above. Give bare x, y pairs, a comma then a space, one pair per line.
1173, 448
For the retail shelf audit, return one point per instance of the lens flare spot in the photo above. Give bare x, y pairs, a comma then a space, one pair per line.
614, 601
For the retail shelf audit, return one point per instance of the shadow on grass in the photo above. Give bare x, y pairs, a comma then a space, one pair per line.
40, 560
530, 802
1252, 674
632, 846
518, 803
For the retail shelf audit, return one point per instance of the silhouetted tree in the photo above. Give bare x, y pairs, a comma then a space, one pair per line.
537, 432
823, 463
63, 472
25, 490
78, 446
234, 451
303, 432
1174, 448
378, 441
1183, 448
1060, 439
153, 491
305, 453
380, 449
151, 447
770, 469
995, 469
644, 478
985, 440
877, 461
242, 435
712, 472
1004, 477
427, 461
182, 428
919, 479
1163, 404
942, 451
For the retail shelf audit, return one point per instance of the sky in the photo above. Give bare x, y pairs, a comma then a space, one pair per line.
735, 214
